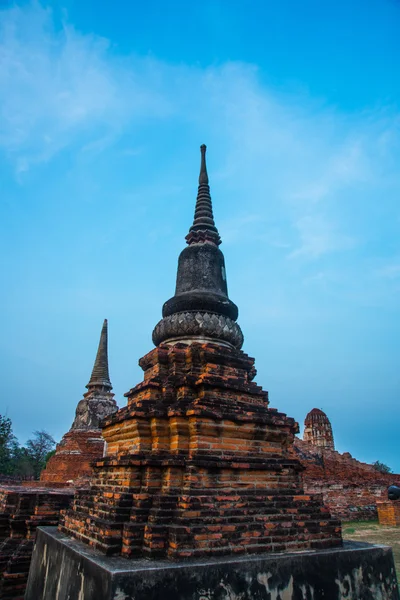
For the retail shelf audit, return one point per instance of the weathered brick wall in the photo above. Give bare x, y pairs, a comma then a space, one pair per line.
349, 501
22, 510
389, 513
72, 460
350, 488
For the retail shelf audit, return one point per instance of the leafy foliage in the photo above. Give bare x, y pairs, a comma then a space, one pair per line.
37, 450
23, 462
48, 456
8, 445
381, 467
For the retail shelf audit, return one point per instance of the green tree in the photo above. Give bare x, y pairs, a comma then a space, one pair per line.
381, 467
8, 446
37, 450
48, 456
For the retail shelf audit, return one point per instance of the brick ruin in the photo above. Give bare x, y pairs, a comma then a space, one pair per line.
22, 510
389, 513
197, 463
350, 488
318, 430
24, 507
83, 443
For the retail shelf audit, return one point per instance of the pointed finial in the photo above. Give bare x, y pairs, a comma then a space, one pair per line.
203, 177
203, 229
200, 309
100, 377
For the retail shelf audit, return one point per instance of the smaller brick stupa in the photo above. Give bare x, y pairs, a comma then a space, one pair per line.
83, 443
318, 430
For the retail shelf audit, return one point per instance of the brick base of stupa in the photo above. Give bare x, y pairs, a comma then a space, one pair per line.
72, 461
198, 465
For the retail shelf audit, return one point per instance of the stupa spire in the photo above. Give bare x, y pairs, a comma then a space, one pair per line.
100, 377
203, 177
203, 228
200, 310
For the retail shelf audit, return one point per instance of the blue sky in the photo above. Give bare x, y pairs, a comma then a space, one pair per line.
103, 107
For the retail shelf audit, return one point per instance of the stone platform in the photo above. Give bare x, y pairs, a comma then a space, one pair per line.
64, 568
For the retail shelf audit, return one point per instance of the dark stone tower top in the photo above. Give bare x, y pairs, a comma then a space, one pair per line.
100, 378
203, 228
318, 430
200, 310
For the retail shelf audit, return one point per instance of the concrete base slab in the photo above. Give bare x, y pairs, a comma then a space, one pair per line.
63, 568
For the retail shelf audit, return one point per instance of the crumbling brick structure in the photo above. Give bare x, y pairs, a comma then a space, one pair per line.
83, 443
389, 513
22, 510
24, 507
197, 463
350, 488
318, 430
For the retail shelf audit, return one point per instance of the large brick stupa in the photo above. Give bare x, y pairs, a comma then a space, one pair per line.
197, 463
198, 476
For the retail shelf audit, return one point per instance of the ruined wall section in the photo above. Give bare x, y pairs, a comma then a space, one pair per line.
350, 488
72, 461
22, 510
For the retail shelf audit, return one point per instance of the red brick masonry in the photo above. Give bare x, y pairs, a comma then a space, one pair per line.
389, 513
73, 458
22, 510
197, 464
83, 443
350, 488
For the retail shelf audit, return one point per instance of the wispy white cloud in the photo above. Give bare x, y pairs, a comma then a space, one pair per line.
58, 85
390, 271
298, 164
241, 227
305, 194
347, 165
320, 276
319, 236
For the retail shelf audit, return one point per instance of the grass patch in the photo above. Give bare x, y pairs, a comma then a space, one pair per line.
373, 533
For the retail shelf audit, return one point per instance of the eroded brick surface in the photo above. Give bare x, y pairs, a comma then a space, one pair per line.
22, 510
198, 464
318, 430
71, 463
350, 488
83, 443
389, 513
